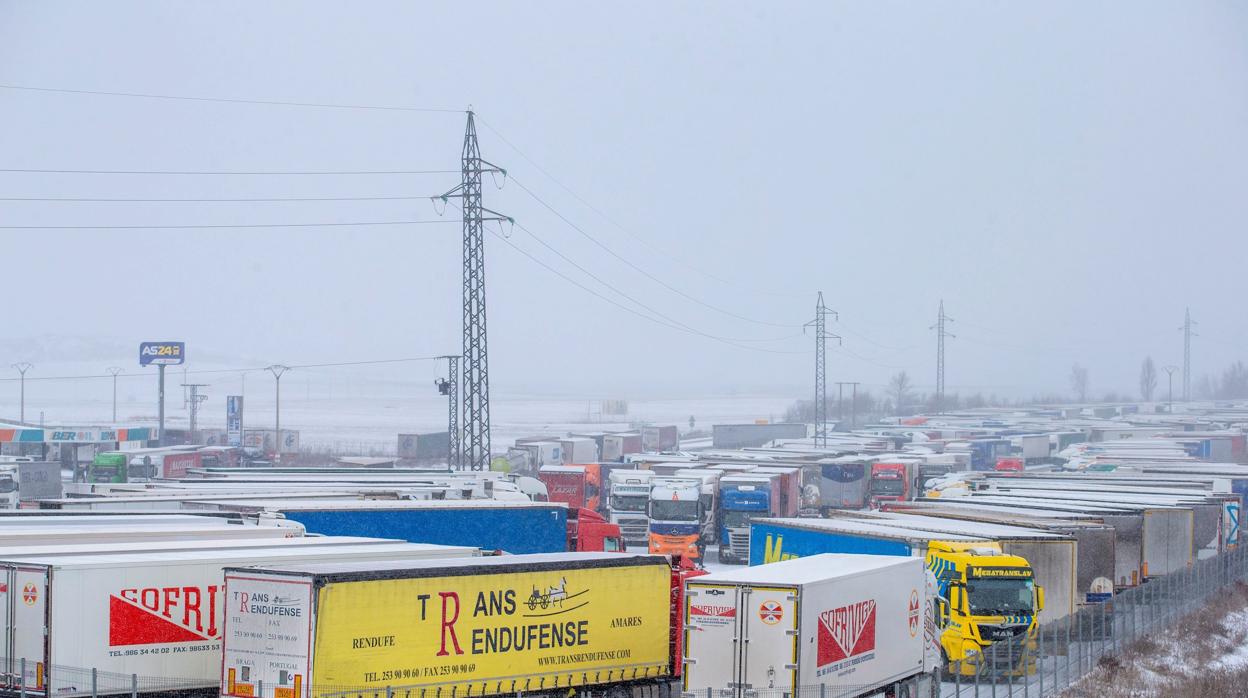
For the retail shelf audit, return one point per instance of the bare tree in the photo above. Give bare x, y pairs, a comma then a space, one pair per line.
899, 388
1079, 381
1148, 379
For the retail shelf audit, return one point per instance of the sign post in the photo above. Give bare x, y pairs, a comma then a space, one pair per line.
234, 420
162, 354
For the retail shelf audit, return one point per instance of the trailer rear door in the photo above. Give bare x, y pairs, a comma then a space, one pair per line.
746, 639
23, 608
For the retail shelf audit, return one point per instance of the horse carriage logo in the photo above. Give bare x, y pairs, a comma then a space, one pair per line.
554, 599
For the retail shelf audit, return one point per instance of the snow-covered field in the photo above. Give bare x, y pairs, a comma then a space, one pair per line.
359, 409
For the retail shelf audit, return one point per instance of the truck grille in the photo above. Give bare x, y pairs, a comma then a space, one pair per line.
739, 544
1005, 655
634, 529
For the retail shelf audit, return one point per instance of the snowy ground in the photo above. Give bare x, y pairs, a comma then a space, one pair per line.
361, 409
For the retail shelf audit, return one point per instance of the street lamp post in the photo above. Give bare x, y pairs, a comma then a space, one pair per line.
22, 367
115, 370
277, 370
1170, 384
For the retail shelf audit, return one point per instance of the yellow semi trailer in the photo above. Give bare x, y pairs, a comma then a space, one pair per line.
471, 627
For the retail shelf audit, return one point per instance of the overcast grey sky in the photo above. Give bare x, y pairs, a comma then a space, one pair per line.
1066, 176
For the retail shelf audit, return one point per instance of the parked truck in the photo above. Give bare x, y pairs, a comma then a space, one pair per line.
657, 439
579, 449
616, 446
513, 527
985, 596
709, 483
828, 625
788, 488
629, 503
742, 498
566, 484
843, 482
892, 481
155, 614
492, 626
589, 532
675, 514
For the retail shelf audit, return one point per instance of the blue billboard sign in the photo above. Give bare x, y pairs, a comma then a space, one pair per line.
234, 420
162, 353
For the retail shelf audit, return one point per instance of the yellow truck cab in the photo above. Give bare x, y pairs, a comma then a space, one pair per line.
985, 597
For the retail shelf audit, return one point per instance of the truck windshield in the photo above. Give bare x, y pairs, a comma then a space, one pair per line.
893, 487
674, 511
1000, 596
624, 503
736, 519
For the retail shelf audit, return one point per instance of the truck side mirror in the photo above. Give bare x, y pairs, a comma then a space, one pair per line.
942, 613
955, 598
1039, 599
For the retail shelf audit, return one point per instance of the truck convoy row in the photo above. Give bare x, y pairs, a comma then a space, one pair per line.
680, 508
554, 624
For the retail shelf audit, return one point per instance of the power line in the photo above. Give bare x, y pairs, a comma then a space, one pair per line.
229, 100
641, 270
210, 200
650, 309
232, 225
841, 325
248, 369
28, 170
672, 325
666, 321
849, 352
621, 228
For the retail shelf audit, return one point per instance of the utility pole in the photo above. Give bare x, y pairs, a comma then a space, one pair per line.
853, 404
941, 333
821, 375
277, 370
193, 400
22, 367
1187, 353
1170, 382
450, 388
115, 370
840, 386
476, 392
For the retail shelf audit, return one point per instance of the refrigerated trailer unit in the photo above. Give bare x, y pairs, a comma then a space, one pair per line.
1167, 533
826, 625
150, 614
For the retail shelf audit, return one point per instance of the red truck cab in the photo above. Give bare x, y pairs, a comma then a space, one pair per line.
889, 482
1009, 465
588, 532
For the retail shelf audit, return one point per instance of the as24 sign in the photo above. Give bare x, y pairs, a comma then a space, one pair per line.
162, 353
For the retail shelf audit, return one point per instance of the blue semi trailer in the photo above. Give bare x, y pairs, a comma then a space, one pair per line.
513, 527
774, 540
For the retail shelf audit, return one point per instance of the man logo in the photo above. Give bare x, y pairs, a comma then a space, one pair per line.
770, 612
846, 632
914, 612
